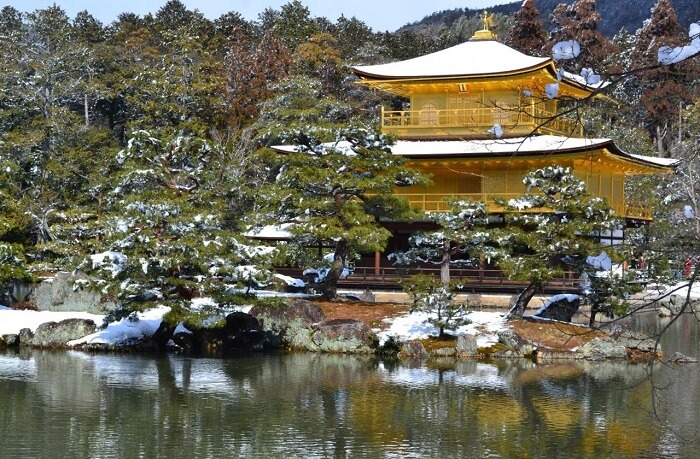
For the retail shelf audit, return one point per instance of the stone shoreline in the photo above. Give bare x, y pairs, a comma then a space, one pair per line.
302, 326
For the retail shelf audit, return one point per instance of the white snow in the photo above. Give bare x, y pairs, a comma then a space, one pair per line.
682, 289
12, 321
413, 326
469, 58
126, 330
601, 261
668, 55
552, 90
496, 130
570, 297
277, 232
566, 50
290, 281
110, 261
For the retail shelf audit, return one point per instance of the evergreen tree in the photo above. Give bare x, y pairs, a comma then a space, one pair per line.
527, 34
579, 22
460, 240
292, 24
537, 246
662, 90
434, 298
335, 194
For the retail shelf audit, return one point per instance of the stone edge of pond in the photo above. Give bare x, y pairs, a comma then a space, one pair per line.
304, 328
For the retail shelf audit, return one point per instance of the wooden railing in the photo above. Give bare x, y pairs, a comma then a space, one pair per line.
476, 121
437, 202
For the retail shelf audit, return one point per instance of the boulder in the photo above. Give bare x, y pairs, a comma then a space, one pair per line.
240, 334
516, 344
57, 334
559, 307
413, 350
11, 340
447, 351
65, 292
630, 341
673, 304
292, 325
467, 346
343, 336
602, 349
681, 358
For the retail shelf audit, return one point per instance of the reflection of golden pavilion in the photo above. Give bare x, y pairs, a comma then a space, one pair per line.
483, 114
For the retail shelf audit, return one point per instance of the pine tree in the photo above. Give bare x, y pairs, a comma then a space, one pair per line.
555, 224
432, 297
335, 194
662, 90
527, 34
460, 240
579, 22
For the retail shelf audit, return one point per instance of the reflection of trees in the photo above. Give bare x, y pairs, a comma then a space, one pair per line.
291, 404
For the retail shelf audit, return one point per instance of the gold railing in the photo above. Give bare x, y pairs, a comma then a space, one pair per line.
437, 202
476, 122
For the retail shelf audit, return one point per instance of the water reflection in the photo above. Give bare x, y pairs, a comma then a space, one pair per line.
57, 404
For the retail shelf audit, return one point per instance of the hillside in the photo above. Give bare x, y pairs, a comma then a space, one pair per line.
616, 14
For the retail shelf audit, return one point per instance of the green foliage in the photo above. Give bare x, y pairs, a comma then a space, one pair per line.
555, 224
432, 297
334, 194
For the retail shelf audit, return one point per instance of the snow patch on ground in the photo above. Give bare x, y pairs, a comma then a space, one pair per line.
682, 289
126, 330
412, 326
12, 321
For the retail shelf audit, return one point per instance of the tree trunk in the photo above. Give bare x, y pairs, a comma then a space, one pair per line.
445, 264
87, 111
594, 312
329, 287
524, 298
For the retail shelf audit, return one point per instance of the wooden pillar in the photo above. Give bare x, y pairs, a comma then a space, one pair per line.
377, 259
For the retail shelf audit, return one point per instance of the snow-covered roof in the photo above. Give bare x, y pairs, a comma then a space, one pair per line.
535, 145
530, 144
469, 58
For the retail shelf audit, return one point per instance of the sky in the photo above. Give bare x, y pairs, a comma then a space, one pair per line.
381, 15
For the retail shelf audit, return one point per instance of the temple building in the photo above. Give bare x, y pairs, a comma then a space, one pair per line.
479, 116
483, 114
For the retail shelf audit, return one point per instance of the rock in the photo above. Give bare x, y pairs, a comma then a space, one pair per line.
291, 324
344, 336
681, 358
447, 351
57, 334
602, 349
367, 296
11, 340
413, 350
304, 311
64, 292
630, 341
240, 334
559, 307
672, 304
25, 337
466, 346
516, 344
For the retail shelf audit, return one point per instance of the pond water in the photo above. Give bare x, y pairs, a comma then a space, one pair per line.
72, 404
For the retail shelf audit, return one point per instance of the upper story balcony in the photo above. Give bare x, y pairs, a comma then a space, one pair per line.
471, 123
438, 202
